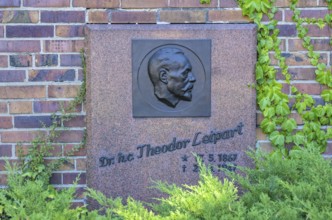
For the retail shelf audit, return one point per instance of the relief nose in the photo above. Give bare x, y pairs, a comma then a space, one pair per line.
192, 77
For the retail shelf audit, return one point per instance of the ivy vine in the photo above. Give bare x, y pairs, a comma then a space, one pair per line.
275, 106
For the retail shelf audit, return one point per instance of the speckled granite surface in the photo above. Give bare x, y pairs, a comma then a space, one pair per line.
125, 153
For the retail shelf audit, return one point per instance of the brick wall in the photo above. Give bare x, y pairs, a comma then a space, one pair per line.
40, 64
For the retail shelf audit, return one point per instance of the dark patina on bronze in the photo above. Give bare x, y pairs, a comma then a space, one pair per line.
171, 78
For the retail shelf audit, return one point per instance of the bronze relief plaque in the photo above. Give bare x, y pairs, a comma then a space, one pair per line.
171, 78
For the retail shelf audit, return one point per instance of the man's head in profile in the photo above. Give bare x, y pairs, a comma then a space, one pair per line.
170, 72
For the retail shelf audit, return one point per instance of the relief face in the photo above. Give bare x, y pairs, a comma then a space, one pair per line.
171, 78
171, 74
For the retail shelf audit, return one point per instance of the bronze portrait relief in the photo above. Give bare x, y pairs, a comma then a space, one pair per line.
171, 74
171, 78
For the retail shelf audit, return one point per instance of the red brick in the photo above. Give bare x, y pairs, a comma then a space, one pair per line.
46, 60
56, 75
2, 33
70, 178
63, 16
3, 61
79, 193
80, 75
259, 118
98, 16
287, 30
67, 165
72, 150
19, 136
20, 60
71, 60
19, 46
228, 4
315, 31
307, 14
285, 88
29, 31
97, 4
56, 178
299, 74
63, 91
301, 3
69, 31
63, 45
297, 118
2, 165
5, 150
191, 4
76, 204
70, 136
328, 149
81, 164
144, 4
298, 59
3, 179
265, 147
12, 76
322, 3
277, 16
22, 92
282, 45
32, 121
10, 3
260, 134
227, 16
309, 88
3, 107
133, 17
19, 16
319, 44
24, 107
46, 3
52, 106
177, 16
76, 121
55, 150
6, 122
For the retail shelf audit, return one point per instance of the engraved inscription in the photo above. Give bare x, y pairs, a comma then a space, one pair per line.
170, 72
216, 162
148, 150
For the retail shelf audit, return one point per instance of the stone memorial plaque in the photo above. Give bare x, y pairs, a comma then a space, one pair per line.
158, 94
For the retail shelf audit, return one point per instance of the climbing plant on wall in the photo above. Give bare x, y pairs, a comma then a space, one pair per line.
275, 106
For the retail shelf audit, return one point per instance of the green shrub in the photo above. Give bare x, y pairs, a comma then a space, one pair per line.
33, 199
209, 199
298, 186
295, 187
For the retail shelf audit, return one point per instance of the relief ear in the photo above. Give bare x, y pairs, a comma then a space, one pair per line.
163, 75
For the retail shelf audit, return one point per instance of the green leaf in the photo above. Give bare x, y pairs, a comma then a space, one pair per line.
329, 133
277, 139
300, 106
268, 125
322, 77
289, 125
259, 72
327, 95
264, 102
299, 138
294, 90
269, 112
282, 109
